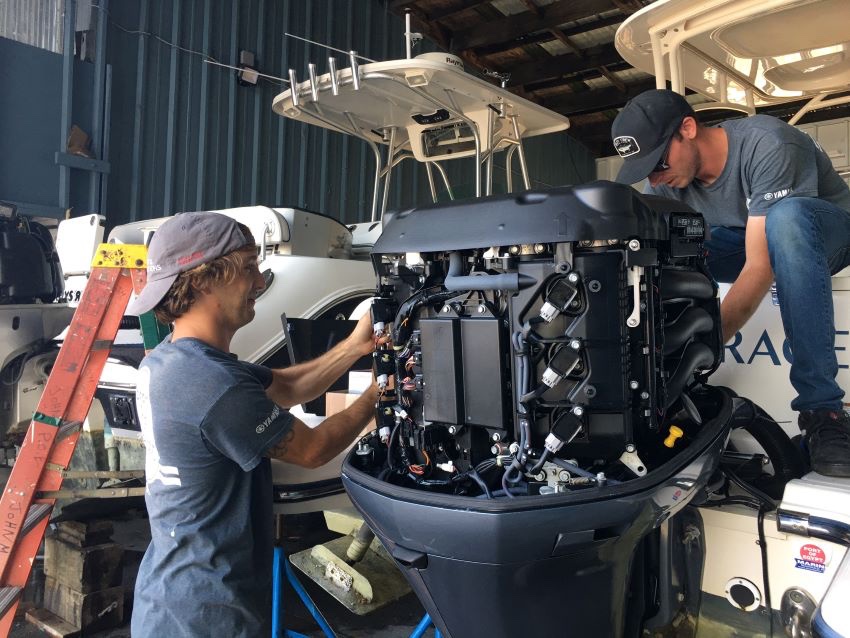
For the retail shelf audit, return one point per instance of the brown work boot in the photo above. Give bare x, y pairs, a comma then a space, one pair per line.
827, 437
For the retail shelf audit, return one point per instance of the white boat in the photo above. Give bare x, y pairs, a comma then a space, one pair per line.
427, 109
739, 55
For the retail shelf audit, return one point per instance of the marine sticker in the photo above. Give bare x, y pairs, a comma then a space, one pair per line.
812, 558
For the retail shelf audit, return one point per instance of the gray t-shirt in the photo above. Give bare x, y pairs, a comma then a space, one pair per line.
768, 160
206, 422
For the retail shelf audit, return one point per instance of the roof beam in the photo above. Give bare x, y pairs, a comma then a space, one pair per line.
511, 27
596, 100
548, 36
561, 65
447, 14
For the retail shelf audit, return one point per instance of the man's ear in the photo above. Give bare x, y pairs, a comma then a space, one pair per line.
688, 128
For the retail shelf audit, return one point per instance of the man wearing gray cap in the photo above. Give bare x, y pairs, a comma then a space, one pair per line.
210, 424
777, 210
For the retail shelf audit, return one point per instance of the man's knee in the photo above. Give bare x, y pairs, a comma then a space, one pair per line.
791, 224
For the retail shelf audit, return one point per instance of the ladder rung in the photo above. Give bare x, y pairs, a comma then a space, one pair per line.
36, 512
8, 596
61, 410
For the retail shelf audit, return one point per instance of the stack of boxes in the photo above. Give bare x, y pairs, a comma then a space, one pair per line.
83, 575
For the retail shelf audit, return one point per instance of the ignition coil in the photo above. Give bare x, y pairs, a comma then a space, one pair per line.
562, 363
558, 299
566, 428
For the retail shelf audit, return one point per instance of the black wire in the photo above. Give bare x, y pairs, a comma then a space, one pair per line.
475, 477
768, 502
505, 486
733, 500
539, 465
764, 572
390, 446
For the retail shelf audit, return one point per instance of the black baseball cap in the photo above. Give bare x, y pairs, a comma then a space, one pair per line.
643, 129
181, 243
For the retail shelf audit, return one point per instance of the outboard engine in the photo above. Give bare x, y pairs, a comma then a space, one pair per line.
541, 406
30, 279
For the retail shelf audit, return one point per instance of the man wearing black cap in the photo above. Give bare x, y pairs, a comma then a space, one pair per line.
777, 210
210, 424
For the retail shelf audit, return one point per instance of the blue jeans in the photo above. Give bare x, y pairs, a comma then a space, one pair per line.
808, 240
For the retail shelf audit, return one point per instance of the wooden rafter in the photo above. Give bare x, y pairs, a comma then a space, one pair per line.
569, 103
561, 65
511, 27
546, 36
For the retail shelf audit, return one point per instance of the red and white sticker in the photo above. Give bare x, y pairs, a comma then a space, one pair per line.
813, 554
812, 558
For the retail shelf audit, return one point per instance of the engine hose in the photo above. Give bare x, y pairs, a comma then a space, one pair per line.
784, 455
685, 283
696, 355
693, 321
507, 281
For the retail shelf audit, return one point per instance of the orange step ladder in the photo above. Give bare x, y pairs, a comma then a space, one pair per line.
117, 271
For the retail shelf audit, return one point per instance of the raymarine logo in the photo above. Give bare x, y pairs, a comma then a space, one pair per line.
262, 427
777, 194
626, 145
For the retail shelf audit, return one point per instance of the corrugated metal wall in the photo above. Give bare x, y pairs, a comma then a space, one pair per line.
184, 136
34, 22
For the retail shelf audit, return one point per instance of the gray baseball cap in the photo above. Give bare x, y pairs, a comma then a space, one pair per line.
181, 243
642, 130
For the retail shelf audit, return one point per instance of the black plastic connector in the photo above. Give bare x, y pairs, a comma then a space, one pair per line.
383, 314
383, 365
558, 299
562, 363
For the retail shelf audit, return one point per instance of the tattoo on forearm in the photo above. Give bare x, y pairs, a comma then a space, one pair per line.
280, 448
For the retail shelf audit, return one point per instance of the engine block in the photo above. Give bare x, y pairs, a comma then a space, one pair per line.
540, 343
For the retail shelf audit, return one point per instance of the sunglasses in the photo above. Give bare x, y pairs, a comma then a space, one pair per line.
662, 163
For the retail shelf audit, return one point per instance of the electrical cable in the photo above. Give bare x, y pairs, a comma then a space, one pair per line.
475, 477
764, 569
767, 504
539, 465
208, 59
754, 491
733, 500
512, 492
390, 463
505, 486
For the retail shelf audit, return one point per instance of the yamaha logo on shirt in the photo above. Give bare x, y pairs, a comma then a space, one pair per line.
262, 427
626, 145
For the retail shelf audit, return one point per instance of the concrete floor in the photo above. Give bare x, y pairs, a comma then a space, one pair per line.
397, 620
